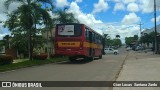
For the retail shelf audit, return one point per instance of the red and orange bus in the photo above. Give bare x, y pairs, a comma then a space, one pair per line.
77, 41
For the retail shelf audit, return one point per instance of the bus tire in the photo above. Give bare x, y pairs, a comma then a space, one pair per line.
115, 53
91, 58
100, 56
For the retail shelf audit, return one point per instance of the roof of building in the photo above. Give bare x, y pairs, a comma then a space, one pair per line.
152, 29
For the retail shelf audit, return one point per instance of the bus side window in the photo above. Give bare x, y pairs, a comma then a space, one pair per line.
90, 37
93, 37
87, 34
96, 38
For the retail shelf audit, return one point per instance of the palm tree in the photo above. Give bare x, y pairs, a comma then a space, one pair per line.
65, 17
6, 40
29, 14
117, 36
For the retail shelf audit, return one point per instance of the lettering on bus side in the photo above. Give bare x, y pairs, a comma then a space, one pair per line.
68, 43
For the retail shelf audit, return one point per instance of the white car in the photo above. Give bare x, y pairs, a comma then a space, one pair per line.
128, 48
111, 51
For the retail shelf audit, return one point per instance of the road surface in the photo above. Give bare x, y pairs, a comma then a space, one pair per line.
106, 69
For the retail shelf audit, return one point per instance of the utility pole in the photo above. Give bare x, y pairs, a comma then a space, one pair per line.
140, 27
156, 43
104, 42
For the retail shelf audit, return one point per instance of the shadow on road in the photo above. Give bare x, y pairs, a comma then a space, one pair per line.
75, 62
81, 61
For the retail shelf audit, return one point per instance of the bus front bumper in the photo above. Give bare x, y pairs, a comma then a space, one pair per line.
69, 53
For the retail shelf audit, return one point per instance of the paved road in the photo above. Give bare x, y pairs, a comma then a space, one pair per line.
105, 69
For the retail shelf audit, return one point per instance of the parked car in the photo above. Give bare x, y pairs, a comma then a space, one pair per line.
128, 48
139, 48
111, 51
134, 47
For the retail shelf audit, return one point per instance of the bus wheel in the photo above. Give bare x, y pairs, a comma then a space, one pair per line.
100, 56
91, 58
115, 53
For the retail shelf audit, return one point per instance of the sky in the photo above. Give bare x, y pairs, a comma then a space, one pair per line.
111, 17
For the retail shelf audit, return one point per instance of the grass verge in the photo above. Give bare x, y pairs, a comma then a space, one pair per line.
29, 63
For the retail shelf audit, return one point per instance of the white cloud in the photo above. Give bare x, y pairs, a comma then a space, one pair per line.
157, 19
110, 28
122, 30
12, 7
132, 7
78, 1
128, 1
117, 1
62, 3
119, 6
130, 19
102, 5
2, 35
146, 6
3, 17
88, 19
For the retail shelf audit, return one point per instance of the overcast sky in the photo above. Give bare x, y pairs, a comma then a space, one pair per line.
105, 16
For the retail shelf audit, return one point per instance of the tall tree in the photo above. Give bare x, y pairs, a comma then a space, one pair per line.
27, 16
65, 17
129, 40
135, 37
6, 41
117, 36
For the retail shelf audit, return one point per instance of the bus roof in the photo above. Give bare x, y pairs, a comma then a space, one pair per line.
81, 24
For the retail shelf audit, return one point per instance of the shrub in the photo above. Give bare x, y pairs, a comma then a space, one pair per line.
5, 59
40, 56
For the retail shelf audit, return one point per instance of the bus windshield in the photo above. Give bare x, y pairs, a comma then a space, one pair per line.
69, 30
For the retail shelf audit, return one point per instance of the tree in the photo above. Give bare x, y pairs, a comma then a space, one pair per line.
113, 42
2, 43
129, 40
117, 36
135, 37
26, 17
65, 17
148, 38
117, 42
6, 41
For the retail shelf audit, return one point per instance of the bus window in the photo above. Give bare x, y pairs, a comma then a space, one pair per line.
69, 30
87, 34
93, 36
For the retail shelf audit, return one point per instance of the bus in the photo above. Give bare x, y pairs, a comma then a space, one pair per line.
77, 41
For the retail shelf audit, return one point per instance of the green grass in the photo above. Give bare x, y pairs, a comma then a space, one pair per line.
29, 63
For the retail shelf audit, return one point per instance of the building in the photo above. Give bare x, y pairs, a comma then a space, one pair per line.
148, 31
48, 45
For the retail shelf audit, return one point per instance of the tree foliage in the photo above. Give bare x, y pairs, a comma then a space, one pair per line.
148, 38
129, 40
65, 17
113, 42
24, 20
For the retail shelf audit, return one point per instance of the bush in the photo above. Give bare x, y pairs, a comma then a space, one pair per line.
5, 59
40, 56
